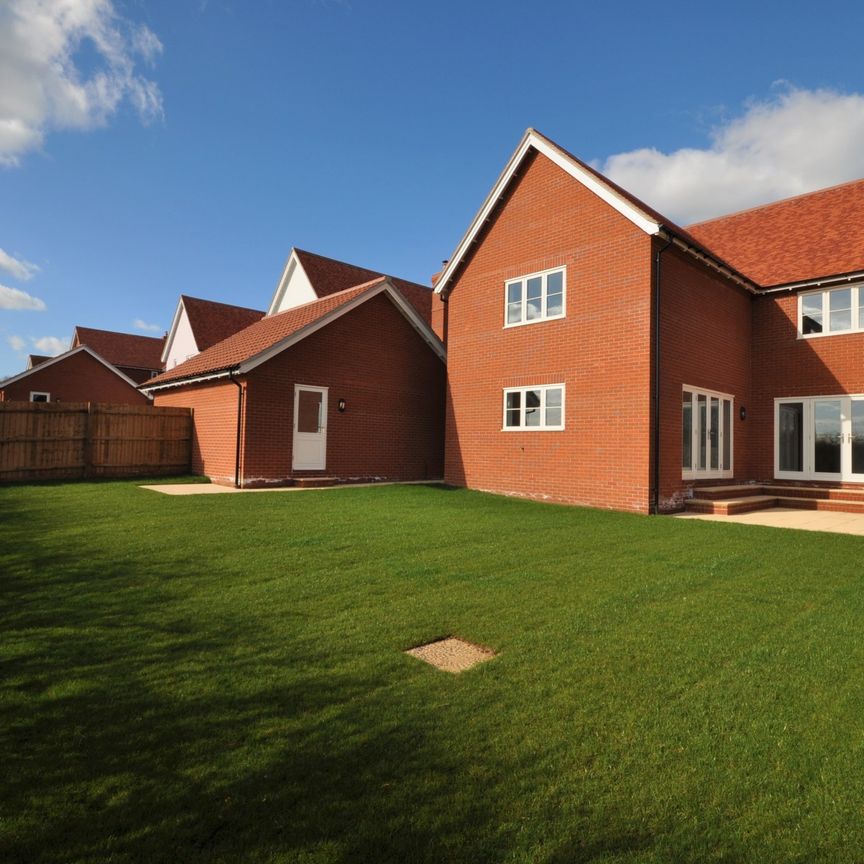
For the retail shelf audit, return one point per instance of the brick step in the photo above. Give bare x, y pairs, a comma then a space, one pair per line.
827, 493
731, 506
314, 482
717, 493
831, 505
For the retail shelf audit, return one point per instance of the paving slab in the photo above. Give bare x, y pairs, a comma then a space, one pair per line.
787, 517
216, 489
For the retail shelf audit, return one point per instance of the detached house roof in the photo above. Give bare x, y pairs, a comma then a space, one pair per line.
35, 359
212, 322
272, 334
799, 239
121, 349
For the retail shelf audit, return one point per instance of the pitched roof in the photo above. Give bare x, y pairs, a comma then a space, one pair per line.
211, 322
122, 349
59, 358
329, 276
807, 237
35, 359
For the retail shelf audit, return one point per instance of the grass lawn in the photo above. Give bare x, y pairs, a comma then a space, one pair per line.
221, 678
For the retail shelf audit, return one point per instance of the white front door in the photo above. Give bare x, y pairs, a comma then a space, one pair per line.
310, 428
819, 438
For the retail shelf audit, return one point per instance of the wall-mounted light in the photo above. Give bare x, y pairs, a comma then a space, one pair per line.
341, 406
743, 413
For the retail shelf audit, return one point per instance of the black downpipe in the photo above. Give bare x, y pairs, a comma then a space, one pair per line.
656, 503
233, 380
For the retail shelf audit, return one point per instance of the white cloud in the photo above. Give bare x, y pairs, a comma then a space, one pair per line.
45, 86
13, 298
17, 267
138, 324
16, 343
795, 142
50, 345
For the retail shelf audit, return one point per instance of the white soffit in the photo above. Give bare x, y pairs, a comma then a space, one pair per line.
530, 140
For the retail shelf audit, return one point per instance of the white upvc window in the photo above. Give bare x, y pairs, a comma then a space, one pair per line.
39, 396
539, 408
831, 311
707, 432
536, 297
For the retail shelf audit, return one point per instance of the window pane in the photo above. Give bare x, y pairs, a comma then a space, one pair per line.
553, 415
532, 408
555, 282
702, 420
840, 306
811, 313
790, 433
514, 292
826, 417
727, 435
858, 436
308, 411
534, 293
715, 433
555, 304
861, 308
513, 403
514, 313
554, 293
553, 396
687, 431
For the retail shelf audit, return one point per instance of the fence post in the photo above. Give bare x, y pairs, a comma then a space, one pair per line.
88, 442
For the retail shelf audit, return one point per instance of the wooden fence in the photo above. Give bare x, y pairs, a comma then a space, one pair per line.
68, 440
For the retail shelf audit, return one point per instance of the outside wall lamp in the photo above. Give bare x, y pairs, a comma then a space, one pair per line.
743, 413
341, 406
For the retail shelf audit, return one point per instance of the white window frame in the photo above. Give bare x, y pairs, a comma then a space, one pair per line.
857, 294
709, 473
40, 393
544, 275
542, 388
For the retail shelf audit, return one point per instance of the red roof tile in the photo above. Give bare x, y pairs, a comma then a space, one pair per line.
807, 237
212, 322
329, 276
261, 335
122, 349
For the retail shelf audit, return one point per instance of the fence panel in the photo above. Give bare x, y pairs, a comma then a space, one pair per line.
68, 440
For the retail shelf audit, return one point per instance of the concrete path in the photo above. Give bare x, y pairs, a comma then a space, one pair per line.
786, 517
216, 489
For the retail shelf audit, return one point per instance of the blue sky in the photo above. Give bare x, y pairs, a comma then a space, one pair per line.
186, 145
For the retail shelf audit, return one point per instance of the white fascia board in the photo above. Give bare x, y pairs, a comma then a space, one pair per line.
182, 382
426, 332
63, 356
169, 339
816, 283
587, 179
280, 285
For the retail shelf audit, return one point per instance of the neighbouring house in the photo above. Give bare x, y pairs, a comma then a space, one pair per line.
198, 324
137, 357
600, 354
77, 375
342, 379
36, 359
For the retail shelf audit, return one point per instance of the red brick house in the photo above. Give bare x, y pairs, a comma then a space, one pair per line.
137, 357
342, 380
78, 375
600, 354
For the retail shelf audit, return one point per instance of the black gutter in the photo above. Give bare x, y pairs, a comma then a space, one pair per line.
656, 501
233, 380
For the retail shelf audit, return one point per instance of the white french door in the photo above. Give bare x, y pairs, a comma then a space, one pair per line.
819, 438
706, 434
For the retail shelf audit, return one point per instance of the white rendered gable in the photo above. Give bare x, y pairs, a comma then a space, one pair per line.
294, 288
181, 344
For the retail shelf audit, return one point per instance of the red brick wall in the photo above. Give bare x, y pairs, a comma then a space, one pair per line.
77, 378
784, 365
705, 343
373, 358
214, 426
600, 350
392, 382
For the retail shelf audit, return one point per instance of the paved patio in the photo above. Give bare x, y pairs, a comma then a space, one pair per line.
786, 517
216, 489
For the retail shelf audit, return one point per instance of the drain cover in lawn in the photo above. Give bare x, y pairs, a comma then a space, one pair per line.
451, 655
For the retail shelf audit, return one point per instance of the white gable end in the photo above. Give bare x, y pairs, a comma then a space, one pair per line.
181, 342
294, 287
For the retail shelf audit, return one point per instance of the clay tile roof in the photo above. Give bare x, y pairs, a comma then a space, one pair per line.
122, 349
807, 237
212, 322
329, 276
261, 335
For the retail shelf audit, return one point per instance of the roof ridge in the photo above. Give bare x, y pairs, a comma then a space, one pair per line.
777, 203
220, 303
300, 251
